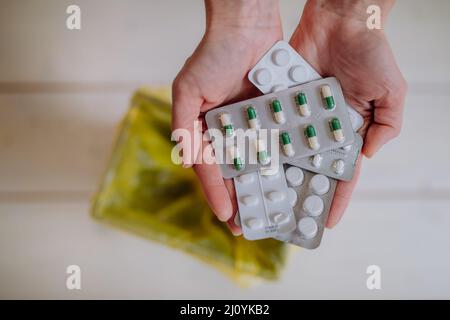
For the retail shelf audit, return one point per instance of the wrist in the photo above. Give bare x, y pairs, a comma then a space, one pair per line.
242, 14
345, 12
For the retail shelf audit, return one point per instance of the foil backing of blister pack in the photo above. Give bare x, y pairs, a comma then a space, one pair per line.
303, 191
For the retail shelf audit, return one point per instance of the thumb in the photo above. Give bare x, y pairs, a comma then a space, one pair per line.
185, 124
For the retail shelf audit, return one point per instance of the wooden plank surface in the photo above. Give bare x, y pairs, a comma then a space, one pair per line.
148, 41
408, 240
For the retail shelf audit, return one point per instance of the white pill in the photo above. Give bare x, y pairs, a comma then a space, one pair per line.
294, 176
254, 223
279, 218
249, 201
298, 73
263, 77
246, 178
292, 197
316, 161
347, 148
308, 227
237, 219
280, 57
319, 184
278, 87
271, 175
276, 196
313, 205
339, 166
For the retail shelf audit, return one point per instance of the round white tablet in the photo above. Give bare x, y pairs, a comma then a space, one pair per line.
263, 77
307, 227
280, 57
313, 205
294, 176
279, 218
254, 223
339, 166
347, 148
276, 196
316, 161
271, 174
298, 73
249, 201
278, 87
319, 184
292, 197
246, 178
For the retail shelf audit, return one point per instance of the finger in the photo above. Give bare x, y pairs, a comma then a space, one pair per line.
185, 112
342, 196
213, 185
235, 229
387, 120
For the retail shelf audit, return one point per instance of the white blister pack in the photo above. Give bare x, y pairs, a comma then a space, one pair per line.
282, 67
311, 198
263, 204
338, 163
310, 118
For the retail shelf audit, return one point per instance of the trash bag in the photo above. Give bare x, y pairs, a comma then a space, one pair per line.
144, 192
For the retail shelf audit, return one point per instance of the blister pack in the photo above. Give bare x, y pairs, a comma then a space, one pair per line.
282, 67
338, 163
263, 207
312, 197
310, 118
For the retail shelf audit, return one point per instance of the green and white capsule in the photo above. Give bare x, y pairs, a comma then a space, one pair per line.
336, 129
263, 156
302, 103
277, 110
327, 96
237, 161
288, 148
252, 118
227, 124
311, 136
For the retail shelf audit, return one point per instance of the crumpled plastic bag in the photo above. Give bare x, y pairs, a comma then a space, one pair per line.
144, 192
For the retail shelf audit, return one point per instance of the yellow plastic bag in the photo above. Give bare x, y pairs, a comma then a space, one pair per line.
145, 192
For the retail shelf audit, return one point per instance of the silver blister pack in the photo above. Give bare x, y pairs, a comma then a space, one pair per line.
338, 163
263, 204
282, 67
311, 203
293, 124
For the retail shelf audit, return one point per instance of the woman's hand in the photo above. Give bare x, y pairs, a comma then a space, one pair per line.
333, 37
238, 33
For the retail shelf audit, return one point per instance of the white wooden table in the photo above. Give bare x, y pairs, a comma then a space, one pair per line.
62, 93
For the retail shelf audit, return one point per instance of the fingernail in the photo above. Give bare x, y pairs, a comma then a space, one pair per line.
236, 233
